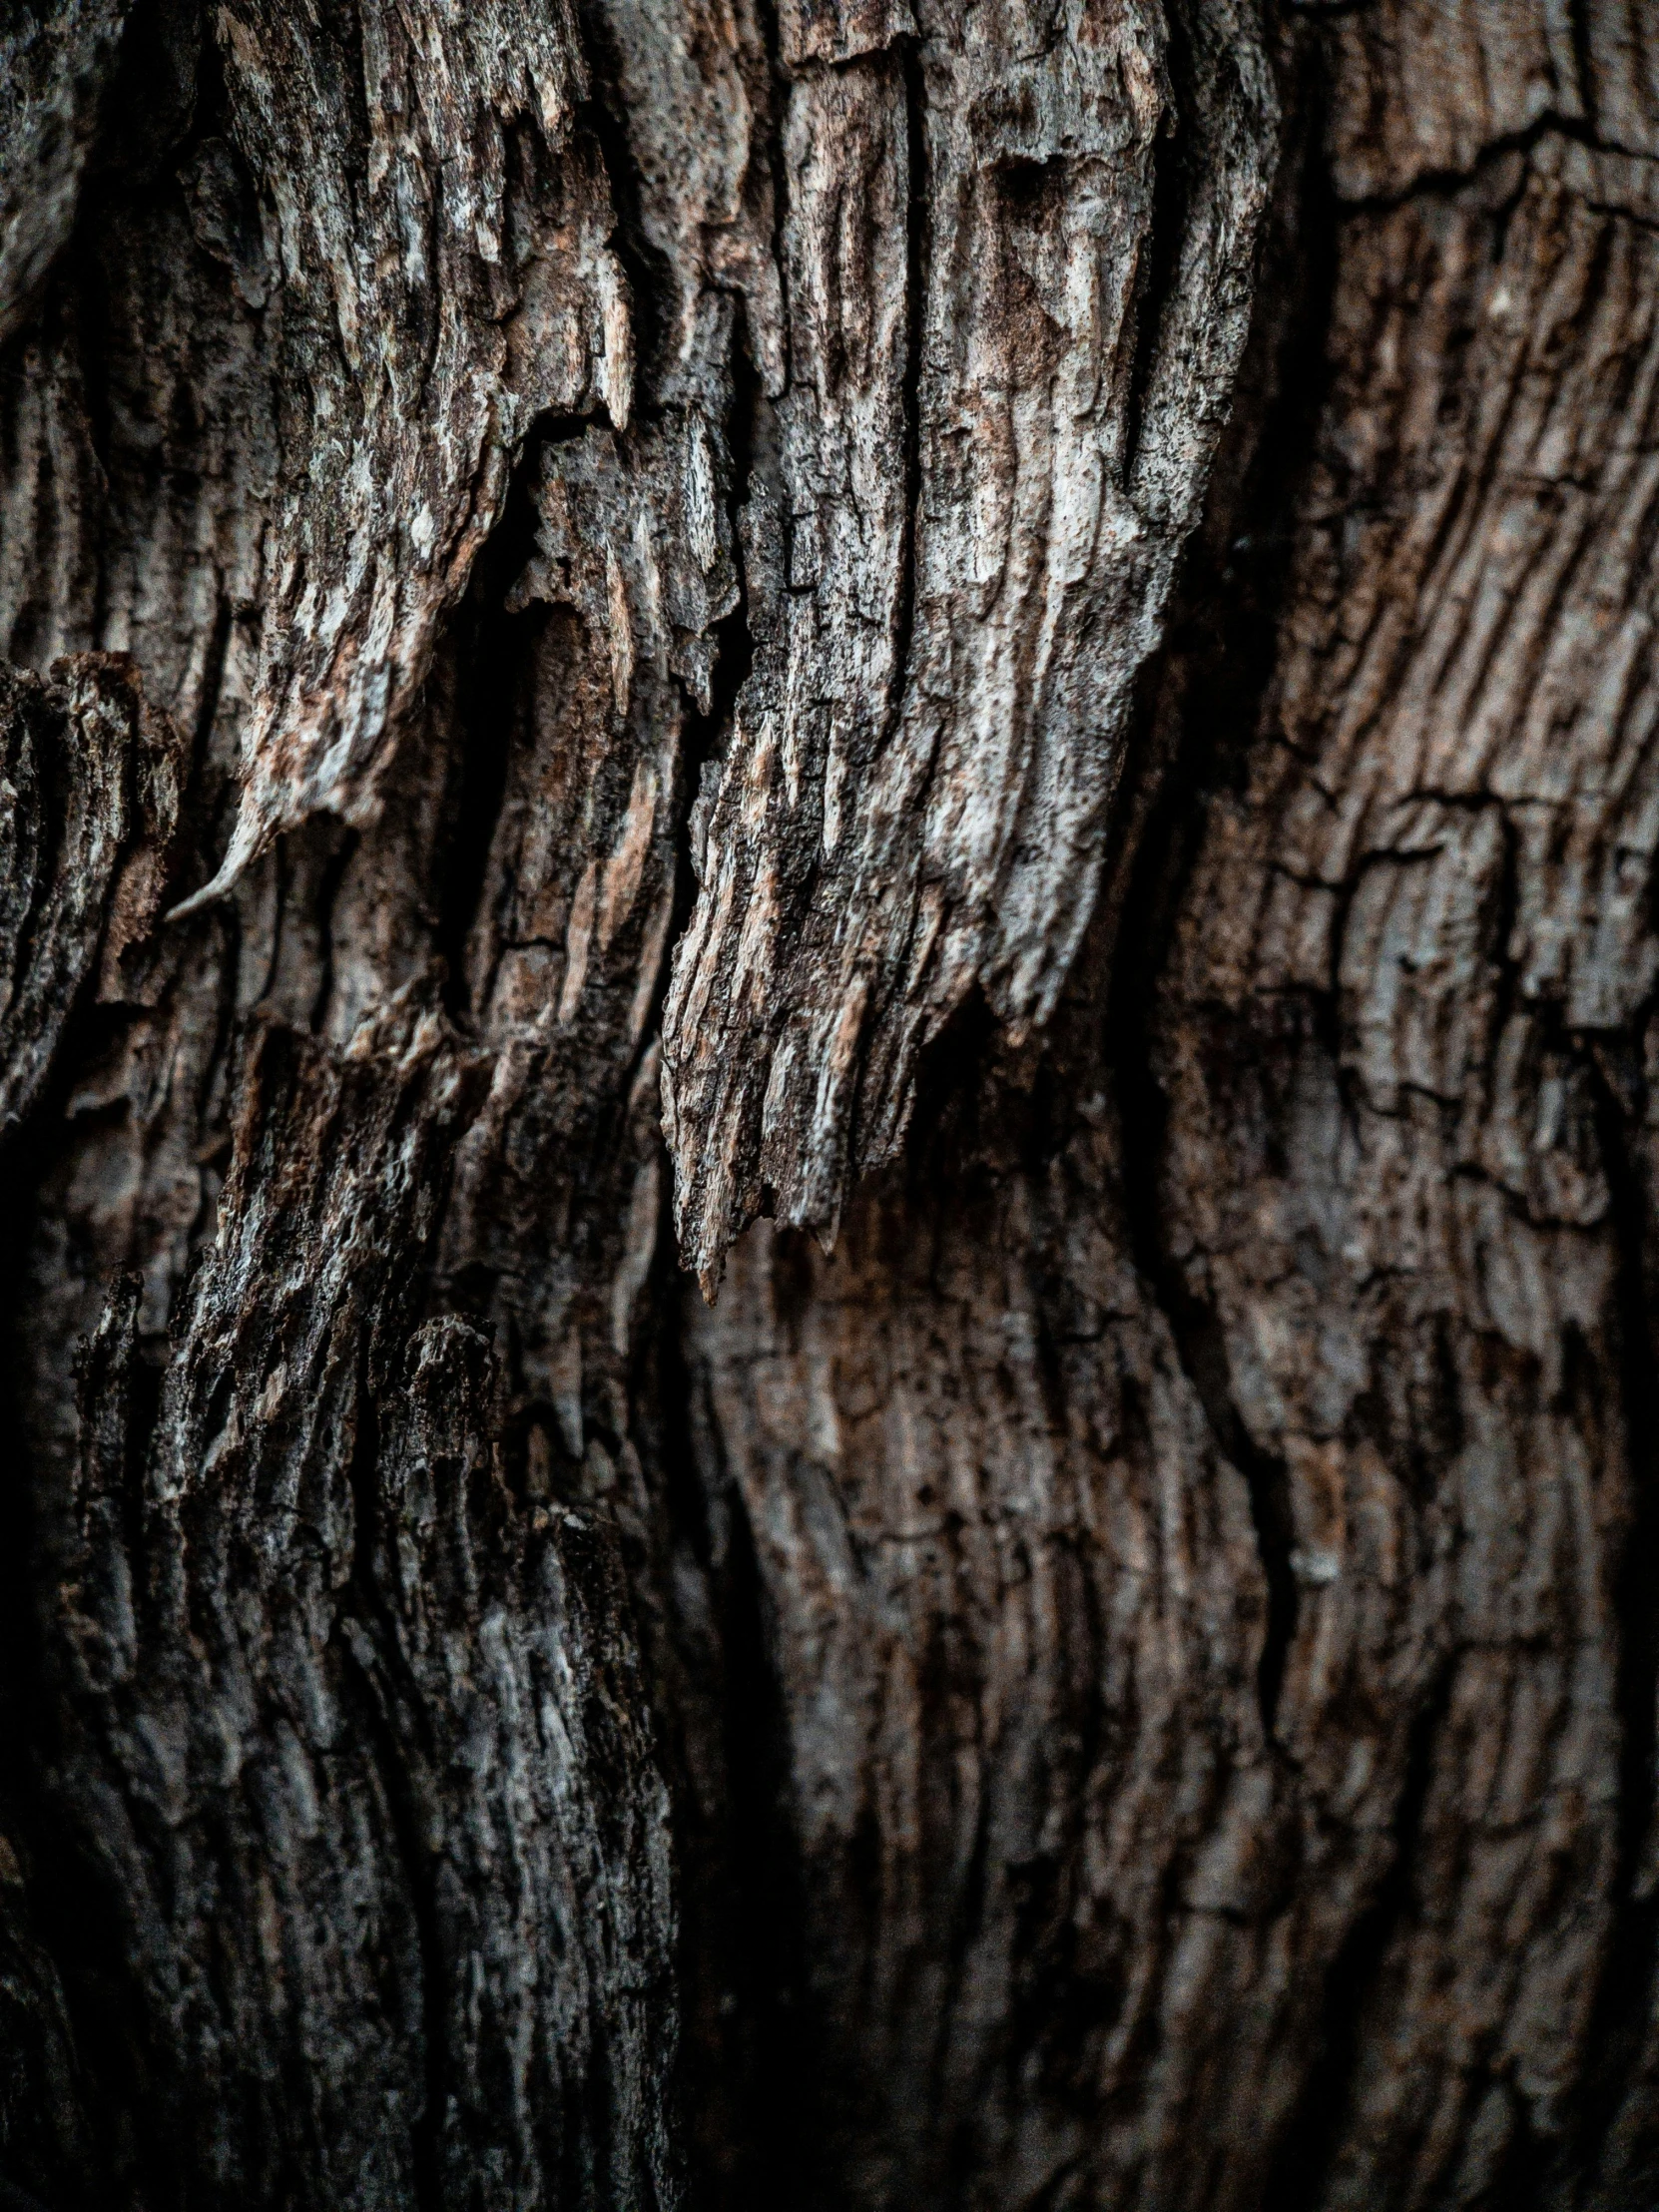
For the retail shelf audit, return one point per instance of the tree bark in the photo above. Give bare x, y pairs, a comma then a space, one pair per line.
830, 1104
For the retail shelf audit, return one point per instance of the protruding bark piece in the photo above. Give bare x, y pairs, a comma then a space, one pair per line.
633, 569
690, 91
436, 228
1019, 278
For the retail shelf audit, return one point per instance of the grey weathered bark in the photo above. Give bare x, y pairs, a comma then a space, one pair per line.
1020, 638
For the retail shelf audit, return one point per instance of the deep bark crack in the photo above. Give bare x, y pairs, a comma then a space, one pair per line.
1624, 1996
1302, 2164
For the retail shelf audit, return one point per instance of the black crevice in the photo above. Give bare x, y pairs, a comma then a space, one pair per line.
493, 648
69, 1908
376, 1686
212, 691
778, 91
170, 93
1297, 2180
1506, 911
1619, 2020
1520, 2183
1200, 1345
1578, 26
421, 302
768, 1887
649, 272
705, 733
334, 875
748, 2088
916, 262
211, 115
1158, 266
1441, 184
1202, 712
915, 322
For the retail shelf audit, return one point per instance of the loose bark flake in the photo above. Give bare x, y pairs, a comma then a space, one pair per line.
436, 226
1010, 347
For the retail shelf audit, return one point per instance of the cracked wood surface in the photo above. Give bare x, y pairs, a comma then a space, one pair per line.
1009, 344
1056, 597
434, 243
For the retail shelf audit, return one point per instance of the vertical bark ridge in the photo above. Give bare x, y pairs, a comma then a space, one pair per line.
1615, 2146
1433, 847
855, 883
441, 228
1441, 1389
54, 76
484, 1949
1158, 1617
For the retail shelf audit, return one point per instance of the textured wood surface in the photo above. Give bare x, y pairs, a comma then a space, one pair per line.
1020, 638
1009, 346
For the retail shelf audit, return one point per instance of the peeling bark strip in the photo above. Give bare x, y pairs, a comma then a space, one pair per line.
1011, 337
435, 228
1094, 565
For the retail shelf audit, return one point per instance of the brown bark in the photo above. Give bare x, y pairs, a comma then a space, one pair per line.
1019, 638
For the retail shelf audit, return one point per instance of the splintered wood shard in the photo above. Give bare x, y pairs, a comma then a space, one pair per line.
1017, 266
436, 230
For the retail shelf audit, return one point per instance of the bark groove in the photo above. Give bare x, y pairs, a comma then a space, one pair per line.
1019, 638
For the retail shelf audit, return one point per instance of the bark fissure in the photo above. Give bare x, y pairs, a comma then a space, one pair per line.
1440, 184
1630, 1971
1302, 2170
425, 2165
1027, 631
1579, 23
915, 298
487, 632
1200, 1344
1219, 711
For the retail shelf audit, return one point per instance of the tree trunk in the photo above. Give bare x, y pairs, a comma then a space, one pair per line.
830, 1104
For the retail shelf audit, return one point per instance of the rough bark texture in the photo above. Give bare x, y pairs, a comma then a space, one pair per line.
1020, 637
1009, 349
